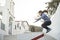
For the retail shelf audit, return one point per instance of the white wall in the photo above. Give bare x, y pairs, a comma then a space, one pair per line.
55, 32
6, 15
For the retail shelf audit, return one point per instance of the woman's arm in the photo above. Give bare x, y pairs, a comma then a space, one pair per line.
38, 19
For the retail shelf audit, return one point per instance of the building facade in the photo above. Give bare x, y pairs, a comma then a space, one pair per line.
7, 15
7, 19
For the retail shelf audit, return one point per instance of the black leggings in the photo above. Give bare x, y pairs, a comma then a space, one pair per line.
45, 24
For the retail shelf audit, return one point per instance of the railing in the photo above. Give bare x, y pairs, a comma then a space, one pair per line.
21, 23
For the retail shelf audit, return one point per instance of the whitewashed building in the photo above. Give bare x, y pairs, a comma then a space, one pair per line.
7, 16
8, 25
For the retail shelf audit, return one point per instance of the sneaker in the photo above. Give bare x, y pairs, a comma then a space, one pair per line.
48, 30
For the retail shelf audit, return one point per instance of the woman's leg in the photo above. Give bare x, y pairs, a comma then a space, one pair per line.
45, 24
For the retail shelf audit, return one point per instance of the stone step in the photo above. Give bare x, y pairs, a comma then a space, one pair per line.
10, 37
28, 36
35, 36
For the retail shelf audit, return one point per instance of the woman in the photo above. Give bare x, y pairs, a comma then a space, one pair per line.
46, 19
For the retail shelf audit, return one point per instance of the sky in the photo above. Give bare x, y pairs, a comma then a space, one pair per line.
27, 10
2, 2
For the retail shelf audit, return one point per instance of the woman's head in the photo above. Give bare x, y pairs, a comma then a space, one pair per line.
40, 12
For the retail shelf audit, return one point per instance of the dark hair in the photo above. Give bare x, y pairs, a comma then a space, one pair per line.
40, 11
45, 11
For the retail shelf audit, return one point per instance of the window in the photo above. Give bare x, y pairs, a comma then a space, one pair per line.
2, 26
0, 13
15, 26
18, 25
